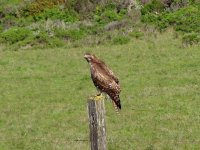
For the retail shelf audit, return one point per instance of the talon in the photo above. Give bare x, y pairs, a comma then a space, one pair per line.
99, 94
98, 97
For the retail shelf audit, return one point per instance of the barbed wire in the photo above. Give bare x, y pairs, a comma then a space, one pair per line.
109, 140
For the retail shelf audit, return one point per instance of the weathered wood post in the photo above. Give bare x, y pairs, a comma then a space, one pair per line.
96, 115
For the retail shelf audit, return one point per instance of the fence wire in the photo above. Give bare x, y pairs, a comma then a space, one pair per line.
109, 140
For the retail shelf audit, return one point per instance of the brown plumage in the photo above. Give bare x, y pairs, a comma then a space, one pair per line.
104, 79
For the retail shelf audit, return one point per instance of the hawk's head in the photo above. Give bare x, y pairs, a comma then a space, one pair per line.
89, 57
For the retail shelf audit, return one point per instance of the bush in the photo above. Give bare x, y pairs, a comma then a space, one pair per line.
136, 34
108, 14
73, 34
185, 19
150, 18
153, 6
57, 14
38, 6
192, 38
8, 21
43, 39
15, 34
121, 40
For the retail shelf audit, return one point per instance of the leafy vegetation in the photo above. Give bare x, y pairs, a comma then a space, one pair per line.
70, 34
37, 6
185, 20
191, 38
136, 34
53, 22
121, 40
15, 34
56, 14
108, 14
155, 6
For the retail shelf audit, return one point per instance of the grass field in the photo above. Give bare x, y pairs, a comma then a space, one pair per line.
43, 97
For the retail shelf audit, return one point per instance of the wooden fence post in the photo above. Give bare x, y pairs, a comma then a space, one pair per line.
96, 115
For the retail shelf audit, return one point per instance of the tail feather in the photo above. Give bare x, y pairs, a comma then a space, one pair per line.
116, 99
116, 102
116, 108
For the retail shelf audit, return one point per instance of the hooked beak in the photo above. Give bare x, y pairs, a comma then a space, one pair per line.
85, 56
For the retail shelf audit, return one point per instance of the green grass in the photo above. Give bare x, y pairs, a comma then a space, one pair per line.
43, 96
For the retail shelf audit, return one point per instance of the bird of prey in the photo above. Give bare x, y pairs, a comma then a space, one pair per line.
104, 79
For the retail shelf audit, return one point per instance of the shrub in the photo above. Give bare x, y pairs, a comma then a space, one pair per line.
8, 21
150, 18
121, 40
57, 14
93, 29
185, 19
136, 34
73, 34
192, 38
15, 34
153, 6
108, 14
41, 39
38, 6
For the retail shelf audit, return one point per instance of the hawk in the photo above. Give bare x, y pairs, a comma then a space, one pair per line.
104, 79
